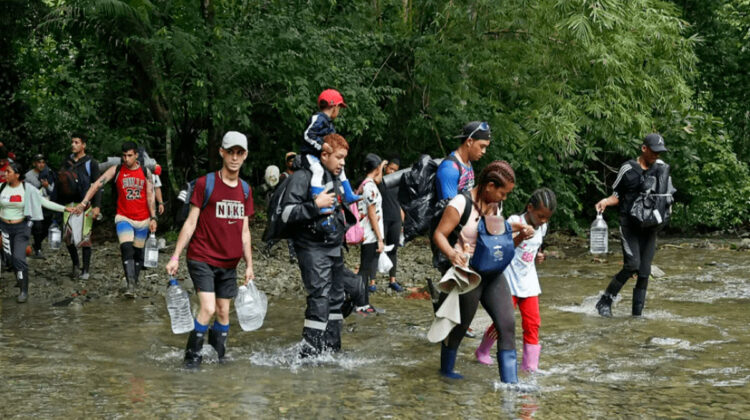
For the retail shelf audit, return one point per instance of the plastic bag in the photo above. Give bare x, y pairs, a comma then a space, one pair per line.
384, 263
251, 305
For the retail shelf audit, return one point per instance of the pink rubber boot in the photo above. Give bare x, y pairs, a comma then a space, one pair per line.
483, 351
531, 357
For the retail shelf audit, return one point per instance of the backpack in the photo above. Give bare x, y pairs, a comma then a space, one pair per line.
69, 186
652, 208
418, 196
275, 227
187, 193
439, 260
356, 233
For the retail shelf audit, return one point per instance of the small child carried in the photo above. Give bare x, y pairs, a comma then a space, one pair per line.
523, 280
320, 125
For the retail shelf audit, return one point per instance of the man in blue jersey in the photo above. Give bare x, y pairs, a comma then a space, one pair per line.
455, 174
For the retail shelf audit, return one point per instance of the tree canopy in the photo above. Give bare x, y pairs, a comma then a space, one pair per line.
569, 88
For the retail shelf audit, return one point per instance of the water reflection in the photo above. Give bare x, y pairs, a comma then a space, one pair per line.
686, 357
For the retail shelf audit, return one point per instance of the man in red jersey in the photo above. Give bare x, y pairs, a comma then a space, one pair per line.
217, 235
136, 212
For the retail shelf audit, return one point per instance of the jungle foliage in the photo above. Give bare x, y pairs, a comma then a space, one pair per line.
569, 87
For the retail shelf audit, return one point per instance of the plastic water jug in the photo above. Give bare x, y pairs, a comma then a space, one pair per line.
55, 236
151, 252
251, 305
178, 306
598, 235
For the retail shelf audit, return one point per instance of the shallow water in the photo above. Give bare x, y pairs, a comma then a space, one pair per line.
686, 358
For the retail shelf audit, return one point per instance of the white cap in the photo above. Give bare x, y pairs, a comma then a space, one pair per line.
234, 138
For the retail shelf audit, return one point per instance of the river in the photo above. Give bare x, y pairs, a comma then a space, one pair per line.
687, 357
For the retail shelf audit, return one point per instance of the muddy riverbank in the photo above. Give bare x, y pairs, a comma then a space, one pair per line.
51, 279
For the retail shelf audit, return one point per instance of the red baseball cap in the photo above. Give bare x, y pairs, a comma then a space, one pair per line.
331, 97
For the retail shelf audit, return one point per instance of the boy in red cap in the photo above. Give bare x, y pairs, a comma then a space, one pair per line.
320, 125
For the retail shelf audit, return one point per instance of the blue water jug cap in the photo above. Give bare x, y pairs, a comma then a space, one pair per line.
173, 282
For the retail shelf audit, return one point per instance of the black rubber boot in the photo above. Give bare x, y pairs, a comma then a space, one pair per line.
604, 306
639, 301
23, 281
333, 335
218, 340
129, 267
193, 356
312, 342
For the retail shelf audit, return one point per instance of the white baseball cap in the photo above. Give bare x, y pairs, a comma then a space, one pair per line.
234, 138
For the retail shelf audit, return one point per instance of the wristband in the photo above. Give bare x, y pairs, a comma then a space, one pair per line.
173, 258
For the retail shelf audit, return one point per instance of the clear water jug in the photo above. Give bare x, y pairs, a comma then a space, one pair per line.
178, 306
251, 305
55, 236
598, 235
151, 252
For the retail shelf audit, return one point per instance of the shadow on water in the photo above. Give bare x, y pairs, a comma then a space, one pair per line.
687, 357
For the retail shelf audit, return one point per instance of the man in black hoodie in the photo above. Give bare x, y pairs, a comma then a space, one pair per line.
318, 239
74, 179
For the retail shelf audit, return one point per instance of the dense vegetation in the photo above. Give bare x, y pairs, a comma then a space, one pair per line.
569, 88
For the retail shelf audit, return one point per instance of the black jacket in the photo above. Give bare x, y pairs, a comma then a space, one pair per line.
312, 229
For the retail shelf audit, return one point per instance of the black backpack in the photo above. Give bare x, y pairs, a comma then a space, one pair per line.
418, 196
275, 227
70, 186
187, 193
652, 208
439, 260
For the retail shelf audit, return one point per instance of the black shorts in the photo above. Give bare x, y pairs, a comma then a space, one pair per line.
207, 278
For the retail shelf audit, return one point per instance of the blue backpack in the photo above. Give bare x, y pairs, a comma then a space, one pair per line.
492, 253
187, 193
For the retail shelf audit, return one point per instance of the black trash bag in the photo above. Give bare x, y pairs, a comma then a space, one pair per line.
354, 288
418, 196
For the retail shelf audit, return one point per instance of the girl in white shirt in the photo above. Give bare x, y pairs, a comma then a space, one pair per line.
523, 280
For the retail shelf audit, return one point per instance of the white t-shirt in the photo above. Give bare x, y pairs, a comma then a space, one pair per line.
521, 273
371, 197
156, 180
467, 240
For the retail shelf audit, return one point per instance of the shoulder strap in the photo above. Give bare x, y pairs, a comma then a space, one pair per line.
245, 188
117, 173
452, 157
88, 167
2, 187
467, 209
210, 182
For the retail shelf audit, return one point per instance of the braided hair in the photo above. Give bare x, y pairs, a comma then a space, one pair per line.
499, 173
543, 198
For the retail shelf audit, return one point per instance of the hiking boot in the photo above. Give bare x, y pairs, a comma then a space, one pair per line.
37, 255
395, 287
84, 275
365, 311
22, 297
604, 306
75, 272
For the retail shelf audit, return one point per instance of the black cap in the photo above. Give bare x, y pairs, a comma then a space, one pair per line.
372, 161
38, 157
477, 130
655, 142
